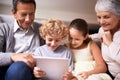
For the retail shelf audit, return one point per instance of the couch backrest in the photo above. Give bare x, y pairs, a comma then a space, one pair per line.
6, 18
93, 28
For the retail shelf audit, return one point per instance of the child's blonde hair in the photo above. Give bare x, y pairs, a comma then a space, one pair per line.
54, 27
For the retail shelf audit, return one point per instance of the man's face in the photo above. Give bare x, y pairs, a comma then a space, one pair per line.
25, 14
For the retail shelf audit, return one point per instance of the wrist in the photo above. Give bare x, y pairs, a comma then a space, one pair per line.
74, 78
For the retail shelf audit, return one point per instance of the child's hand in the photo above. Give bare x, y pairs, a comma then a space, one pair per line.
38, 73
84, 75
67, 76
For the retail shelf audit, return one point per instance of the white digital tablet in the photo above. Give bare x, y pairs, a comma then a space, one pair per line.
54, 67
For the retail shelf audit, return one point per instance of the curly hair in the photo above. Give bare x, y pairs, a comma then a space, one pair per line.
54, 27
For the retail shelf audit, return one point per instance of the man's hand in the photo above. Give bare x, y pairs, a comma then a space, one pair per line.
25, 57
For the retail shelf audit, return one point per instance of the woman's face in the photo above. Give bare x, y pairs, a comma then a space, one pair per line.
107, 20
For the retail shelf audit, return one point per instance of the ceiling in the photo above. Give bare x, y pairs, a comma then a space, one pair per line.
65, 10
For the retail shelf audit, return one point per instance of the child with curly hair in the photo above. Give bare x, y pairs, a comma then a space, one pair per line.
53, 32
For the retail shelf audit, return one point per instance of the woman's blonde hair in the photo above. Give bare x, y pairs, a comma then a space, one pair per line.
54, 27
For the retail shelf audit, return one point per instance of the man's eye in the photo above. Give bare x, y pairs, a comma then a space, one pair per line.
23, 14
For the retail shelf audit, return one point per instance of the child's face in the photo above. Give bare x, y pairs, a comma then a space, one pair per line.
53, 42
76, 38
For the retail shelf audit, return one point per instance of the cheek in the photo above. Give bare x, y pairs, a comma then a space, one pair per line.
80, 42
20, 22
114, 24
48, 44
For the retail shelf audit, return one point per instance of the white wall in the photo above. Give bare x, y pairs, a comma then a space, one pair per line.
66, 10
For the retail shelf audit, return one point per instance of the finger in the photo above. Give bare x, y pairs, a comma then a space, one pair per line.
30, 60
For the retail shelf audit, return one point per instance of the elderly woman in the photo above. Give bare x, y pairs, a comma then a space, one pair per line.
108, 16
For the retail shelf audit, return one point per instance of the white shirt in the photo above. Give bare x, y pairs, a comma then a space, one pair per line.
24, 40
111, 54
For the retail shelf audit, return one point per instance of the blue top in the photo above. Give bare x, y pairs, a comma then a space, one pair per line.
60, 52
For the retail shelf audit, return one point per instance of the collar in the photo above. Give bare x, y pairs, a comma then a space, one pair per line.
16, 27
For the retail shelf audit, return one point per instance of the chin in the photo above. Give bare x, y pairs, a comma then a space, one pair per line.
53, 49
74, 47
106, 29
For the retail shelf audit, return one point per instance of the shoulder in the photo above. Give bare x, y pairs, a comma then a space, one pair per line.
41, 47
6, 26
94, 47
63, 47
36, 25
116, 35
93, 44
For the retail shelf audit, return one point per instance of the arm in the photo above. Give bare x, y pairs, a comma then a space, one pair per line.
113, 44
4, 57
8, 58
68, 76
70, 58
100, 66
96, 36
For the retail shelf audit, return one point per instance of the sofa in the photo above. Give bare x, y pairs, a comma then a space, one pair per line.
93, 28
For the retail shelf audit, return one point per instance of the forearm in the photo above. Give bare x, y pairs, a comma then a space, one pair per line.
74, 78
114, 50
97, 70
5, 59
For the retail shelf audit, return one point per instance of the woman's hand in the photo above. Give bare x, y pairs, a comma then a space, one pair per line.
107, 38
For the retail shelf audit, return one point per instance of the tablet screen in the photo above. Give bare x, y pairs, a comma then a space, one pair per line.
54, 67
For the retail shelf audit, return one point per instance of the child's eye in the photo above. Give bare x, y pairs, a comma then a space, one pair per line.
57, 40
50, 40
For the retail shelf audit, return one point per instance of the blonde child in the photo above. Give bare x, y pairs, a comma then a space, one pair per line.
88, 61
53, 32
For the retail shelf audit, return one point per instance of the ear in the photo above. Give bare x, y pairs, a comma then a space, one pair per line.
44, 37
119, 17
13, 13
87, 35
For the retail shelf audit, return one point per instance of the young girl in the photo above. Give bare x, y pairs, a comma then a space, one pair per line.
53, 32
88, 61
